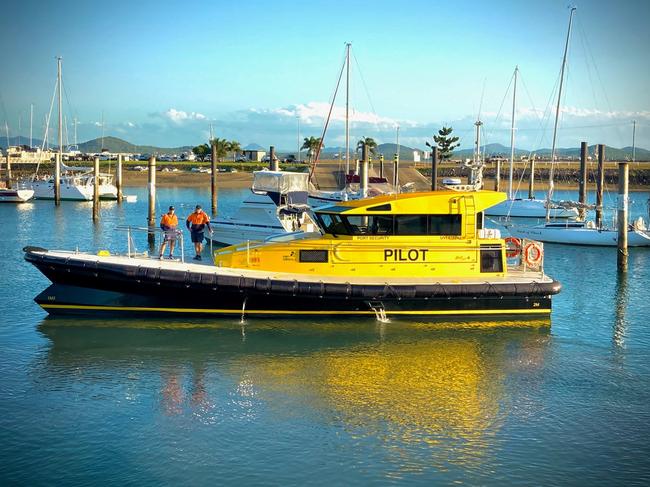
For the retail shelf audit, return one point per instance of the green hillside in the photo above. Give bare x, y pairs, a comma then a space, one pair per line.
115, 145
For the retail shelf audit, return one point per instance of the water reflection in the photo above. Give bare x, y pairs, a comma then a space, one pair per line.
621, 299
408, 385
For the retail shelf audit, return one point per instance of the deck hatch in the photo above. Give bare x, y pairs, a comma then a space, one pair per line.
314, 256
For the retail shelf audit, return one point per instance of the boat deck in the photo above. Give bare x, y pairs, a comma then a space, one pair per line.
514, 276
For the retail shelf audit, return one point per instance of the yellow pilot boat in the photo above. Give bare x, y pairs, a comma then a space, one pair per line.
414, 254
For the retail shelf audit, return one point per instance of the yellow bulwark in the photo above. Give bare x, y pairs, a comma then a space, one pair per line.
404, 236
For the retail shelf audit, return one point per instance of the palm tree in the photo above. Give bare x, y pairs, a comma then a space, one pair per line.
311, 145
223, 147
371, 145
235, 147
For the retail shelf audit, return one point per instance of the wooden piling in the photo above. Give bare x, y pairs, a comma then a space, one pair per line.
623, 174
118, 178
96, 190
531, 180
8, 173
434, 168
396, 171
151, 219
600, 185
582, 191
497, 177
273, 161
381, 165
213, 178
57, 179
363, 176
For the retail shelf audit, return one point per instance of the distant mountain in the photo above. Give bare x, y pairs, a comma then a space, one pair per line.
254, 147
115, 145
611, 153
19, 140
388, 150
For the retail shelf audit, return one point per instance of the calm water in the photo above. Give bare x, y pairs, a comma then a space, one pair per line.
310, 402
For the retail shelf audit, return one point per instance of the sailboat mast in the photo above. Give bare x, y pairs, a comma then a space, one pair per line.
397, 142
60, 108
557, 117
512, 134
31, 122
633, 140
347, 109
101, 149
75, 132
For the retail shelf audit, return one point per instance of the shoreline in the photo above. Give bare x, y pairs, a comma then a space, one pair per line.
567, 178
242, 180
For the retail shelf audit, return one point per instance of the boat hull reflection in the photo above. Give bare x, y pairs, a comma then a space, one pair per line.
434, 393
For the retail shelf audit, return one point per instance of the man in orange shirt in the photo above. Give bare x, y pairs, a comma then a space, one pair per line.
196, 224
169, 224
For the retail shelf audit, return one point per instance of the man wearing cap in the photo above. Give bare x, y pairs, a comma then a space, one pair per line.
169, 224
196, 224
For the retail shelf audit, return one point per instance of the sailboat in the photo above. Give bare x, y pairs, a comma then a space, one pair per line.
348, 192
525, 207
77, 183
577, 232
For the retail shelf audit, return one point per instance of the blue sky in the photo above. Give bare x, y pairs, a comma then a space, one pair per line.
162, 72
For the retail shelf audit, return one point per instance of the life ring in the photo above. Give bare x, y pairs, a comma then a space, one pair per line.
513, 247
533, 254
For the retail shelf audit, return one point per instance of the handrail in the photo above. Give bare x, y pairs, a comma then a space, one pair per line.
148, 230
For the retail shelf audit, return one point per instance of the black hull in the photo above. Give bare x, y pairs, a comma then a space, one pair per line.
83, 287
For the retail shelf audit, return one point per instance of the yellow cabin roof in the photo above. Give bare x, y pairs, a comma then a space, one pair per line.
430, 202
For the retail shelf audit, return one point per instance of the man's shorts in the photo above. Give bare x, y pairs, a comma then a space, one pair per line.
197, 237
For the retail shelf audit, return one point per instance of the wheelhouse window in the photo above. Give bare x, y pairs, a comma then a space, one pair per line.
445, 225
410, 225
390, 224
332, 224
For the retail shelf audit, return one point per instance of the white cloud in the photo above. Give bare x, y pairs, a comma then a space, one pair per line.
316, 112
180, 116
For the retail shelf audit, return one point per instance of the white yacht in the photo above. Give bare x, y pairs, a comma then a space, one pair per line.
583, 233
76, 187
15, 195
277, 205
530, 208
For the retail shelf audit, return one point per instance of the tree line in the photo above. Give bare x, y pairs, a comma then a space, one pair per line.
223, 148
444, 140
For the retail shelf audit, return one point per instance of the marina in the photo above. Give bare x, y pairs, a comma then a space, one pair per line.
334, 383
344, 248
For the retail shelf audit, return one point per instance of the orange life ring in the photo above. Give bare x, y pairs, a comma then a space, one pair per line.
513, 247
533, 254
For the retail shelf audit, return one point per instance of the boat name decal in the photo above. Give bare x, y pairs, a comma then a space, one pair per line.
405, 255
